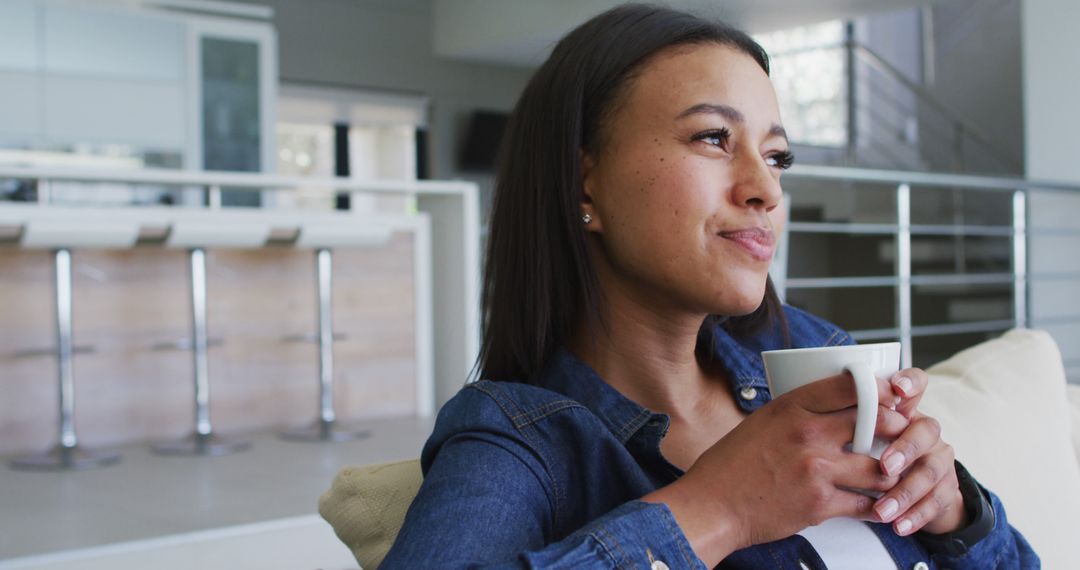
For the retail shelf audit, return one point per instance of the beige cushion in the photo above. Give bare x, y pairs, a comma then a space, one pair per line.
366, 506
1003, 406
1074, 404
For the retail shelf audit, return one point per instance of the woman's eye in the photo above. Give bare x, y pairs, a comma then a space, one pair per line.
716, 137
782, 160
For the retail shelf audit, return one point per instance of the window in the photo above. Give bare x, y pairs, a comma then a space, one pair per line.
808, 71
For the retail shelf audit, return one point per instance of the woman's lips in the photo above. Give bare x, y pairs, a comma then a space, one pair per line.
757, 242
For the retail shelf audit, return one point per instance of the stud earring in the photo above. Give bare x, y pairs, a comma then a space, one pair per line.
586, 218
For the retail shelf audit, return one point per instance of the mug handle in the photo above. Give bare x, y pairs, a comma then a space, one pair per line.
867, 394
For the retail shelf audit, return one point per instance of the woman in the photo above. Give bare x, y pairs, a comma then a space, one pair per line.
623, 419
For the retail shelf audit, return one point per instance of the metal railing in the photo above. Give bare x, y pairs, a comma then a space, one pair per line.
906, 187
880, 97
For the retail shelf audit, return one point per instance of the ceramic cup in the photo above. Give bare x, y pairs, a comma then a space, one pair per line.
792, 368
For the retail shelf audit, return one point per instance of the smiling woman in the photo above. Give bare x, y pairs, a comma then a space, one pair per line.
622, 418
685, 187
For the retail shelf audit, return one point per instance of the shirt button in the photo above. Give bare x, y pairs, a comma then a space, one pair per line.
920, 566
658, 565
748, 393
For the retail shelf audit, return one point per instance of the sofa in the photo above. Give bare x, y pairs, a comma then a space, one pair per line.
1004, 405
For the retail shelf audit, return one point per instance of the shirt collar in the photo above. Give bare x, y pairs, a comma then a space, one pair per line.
568, 375
571, 377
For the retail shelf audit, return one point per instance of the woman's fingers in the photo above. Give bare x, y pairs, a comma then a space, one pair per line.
890, 423
835, 430
848, 503
917, 483
861, 473
837, 393
909, 385
941, 503
921, 435
928, 494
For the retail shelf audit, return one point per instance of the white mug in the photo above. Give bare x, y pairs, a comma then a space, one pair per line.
795, 367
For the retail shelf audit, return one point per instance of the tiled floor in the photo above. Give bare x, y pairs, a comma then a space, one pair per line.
149, 496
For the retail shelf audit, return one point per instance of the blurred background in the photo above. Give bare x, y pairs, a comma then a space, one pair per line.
175, 175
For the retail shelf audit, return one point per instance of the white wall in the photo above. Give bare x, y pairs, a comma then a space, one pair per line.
977, 73
1051, 88
1051, 49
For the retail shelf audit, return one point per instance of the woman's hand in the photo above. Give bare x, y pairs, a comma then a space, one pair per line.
928, 494
781, 469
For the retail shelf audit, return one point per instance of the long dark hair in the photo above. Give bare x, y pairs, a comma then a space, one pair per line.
538, 282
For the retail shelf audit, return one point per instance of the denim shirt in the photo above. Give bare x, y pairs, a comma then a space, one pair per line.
550, 476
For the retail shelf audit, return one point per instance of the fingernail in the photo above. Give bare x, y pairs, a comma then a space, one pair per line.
904, 383
903, 526
886, 509
897, 401
894, 463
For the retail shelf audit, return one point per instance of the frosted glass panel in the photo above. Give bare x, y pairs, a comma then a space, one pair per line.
838, 201
850, 308
18, 35
963, 207
19, 110
840, 255
87, 110
1054, 254
112, 43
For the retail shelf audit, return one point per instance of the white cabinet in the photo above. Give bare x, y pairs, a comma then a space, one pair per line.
179, 90
18, 35
112, 76
112, 43
19, 108
96, 110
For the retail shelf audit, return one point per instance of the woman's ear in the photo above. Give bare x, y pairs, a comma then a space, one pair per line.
590, 219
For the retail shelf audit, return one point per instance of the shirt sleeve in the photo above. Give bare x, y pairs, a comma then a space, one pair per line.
489, 501
1002, 547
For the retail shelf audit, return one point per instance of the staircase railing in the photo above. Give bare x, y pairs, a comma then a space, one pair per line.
892, 118
1013, 232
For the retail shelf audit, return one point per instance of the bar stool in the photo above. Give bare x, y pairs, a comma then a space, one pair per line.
322, 237
59, 236
196, 236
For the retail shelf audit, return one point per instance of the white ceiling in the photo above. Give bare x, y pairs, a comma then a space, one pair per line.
521, 32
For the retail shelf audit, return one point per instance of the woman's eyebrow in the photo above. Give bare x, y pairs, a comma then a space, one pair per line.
731, 113
714, 109
778, 131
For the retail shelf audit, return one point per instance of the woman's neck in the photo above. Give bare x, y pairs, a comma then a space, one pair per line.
647, 354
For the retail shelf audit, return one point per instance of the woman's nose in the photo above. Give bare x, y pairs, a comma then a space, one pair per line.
757, 185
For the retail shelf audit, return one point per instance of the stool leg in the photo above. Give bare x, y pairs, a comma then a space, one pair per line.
326, 427
203, 441
66, 455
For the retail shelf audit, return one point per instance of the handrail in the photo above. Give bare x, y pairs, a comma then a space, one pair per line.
924, 179
232, 180
871, 58
253, 181
888, 69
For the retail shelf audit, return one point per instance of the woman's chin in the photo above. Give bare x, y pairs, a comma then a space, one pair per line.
741, 305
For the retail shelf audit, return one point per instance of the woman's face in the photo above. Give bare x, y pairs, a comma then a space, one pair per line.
685, 190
